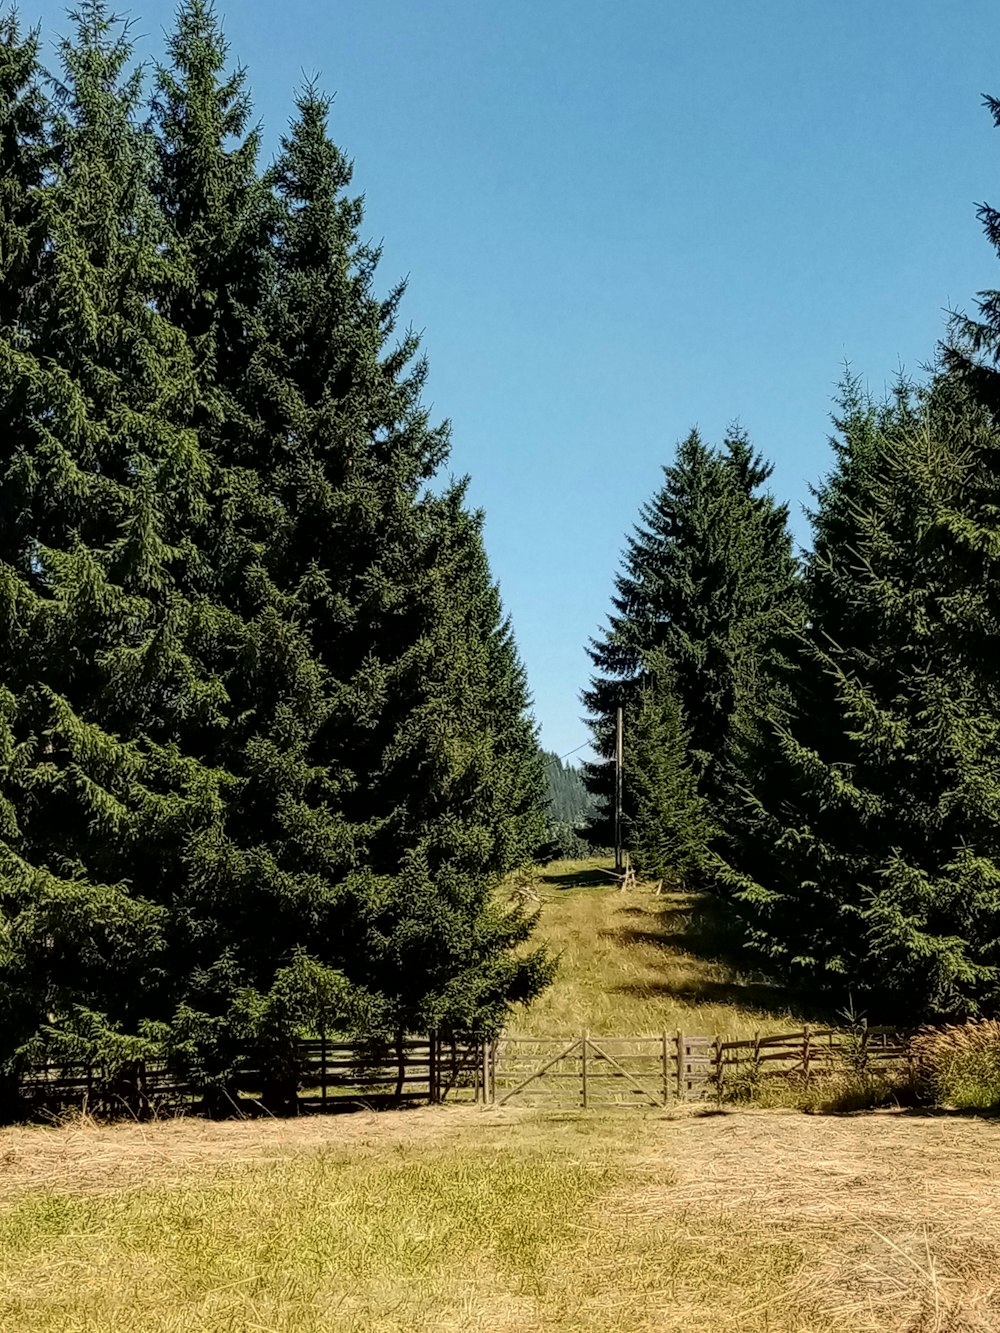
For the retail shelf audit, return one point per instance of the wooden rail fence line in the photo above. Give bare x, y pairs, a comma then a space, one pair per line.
327, 1075
587, 1071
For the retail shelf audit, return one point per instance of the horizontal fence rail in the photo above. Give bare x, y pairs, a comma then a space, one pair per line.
586, 1071
656, 1070
319, 1075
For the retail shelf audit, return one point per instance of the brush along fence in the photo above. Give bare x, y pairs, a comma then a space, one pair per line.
580, 1071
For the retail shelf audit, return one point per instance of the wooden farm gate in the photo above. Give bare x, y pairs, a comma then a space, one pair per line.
644, 1071
590, 1071
571, 1071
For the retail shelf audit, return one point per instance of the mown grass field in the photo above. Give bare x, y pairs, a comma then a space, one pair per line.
691, 1220
448, 1219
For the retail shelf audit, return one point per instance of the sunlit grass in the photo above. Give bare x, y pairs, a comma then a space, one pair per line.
637, 962
753, 1222
528, 1234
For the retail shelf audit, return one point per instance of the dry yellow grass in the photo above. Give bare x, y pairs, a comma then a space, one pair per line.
638, 962
514, 1220
520, 1221
961, 1063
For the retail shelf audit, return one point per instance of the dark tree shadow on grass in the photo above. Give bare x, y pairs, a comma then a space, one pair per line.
947, 1112
703, 929
577, 879
761, 997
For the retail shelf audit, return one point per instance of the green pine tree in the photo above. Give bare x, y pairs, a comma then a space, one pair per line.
257, 906
666, 828
428, 734
709, 582
375, 795
102, 493
872, 869
265, 750
971, 349
221, 219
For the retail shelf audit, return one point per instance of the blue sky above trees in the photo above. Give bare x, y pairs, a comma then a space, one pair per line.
623, 220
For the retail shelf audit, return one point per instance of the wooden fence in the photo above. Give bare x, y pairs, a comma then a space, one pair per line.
328, 1075
813, 1053
574, 1071
588, 1071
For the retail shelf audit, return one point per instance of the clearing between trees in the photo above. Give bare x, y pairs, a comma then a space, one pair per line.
464, 1218
640, 962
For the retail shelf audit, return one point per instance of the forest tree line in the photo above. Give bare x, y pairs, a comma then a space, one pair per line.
265, 743
266, 751
816, 738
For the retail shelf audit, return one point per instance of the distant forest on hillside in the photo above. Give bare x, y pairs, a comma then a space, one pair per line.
571, 809
569, 800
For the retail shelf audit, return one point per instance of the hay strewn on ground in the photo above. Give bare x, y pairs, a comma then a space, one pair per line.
513, 1220
468, 1218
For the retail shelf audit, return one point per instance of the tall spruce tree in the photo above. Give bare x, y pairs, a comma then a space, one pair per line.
265, 748
972, 348
873, 865
459, 781
249, 927
437, 764
375, 798
24, 150
221, 218
102, 493
708, 581
666, 827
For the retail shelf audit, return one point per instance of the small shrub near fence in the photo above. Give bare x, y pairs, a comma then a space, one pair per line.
960, 1064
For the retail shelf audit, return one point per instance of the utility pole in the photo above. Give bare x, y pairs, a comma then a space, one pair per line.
619, 764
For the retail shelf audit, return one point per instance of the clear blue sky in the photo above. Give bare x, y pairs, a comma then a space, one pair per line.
623, 218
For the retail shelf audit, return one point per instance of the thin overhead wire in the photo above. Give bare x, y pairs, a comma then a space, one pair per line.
569, 752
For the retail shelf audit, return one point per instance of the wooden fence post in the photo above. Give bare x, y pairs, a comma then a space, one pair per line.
666, 1067
680, 1065
322, 1068
806, 1052
717, 1057
400, 1063
583, 1067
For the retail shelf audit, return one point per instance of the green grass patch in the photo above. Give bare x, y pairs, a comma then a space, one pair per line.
641, 962
498, 1237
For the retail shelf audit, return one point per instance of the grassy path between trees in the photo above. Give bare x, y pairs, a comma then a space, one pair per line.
640, 962
467, 1218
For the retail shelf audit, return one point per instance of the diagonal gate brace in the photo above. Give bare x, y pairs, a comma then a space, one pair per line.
635, 1082
537, 1073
